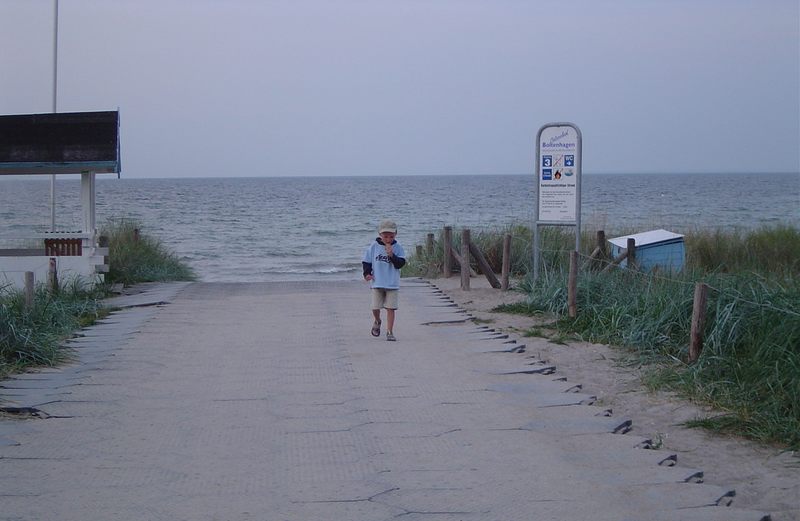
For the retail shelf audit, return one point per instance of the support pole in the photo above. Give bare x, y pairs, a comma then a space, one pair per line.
88, 206
536, 252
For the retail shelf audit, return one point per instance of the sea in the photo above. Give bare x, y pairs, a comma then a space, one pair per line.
253, 229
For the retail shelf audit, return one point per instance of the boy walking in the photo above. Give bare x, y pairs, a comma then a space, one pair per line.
382, 262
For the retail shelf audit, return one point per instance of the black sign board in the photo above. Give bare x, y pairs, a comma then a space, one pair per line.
60, 143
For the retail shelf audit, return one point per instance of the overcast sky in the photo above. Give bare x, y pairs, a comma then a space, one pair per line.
378, 87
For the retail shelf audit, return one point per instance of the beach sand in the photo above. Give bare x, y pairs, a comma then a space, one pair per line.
765, 478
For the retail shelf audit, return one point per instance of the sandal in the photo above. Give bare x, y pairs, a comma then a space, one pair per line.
376, 328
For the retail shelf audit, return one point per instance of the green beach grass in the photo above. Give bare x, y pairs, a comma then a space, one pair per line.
749, 369
32, 337
136, 258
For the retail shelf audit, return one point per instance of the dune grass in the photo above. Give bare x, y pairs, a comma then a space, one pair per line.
749, 370
771, 250
33, 336
135, 257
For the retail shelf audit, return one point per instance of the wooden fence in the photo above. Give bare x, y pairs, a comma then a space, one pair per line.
463, 259
599, 259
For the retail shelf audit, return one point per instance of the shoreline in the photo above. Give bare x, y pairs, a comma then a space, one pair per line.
765, 478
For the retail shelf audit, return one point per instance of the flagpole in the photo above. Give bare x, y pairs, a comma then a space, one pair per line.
55, 105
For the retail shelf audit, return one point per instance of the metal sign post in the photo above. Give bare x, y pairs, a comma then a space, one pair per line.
558, 182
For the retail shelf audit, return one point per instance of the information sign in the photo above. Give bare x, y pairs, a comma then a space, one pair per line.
558, 182
558, 173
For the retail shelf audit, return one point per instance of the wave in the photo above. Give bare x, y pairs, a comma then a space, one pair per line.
313, 269
338, 270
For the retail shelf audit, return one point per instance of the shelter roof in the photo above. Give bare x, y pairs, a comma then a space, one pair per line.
60, 143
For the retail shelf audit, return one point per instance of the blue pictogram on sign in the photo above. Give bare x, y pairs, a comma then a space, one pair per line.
569, 160
547, 161
547, 174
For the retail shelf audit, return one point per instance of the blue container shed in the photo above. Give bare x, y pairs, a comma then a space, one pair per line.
660, 248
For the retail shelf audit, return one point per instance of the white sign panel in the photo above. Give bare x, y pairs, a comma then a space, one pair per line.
558, 172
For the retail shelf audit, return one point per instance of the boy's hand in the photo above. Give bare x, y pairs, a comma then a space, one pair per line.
368, 277
389, 250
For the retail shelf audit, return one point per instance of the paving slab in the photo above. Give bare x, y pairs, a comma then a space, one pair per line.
211, 401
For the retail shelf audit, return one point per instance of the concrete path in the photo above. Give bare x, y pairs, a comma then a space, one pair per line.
273, 402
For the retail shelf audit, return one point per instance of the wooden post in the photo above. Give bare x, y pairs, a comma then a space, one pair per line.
447, 263
599, 253
698, 321
419, 251
484, 264
592, 257
572, 285
459, 261
136, 235
602, 246
52, 276
504, 275
29, 290
631, 253
431, 263
465, 259
615, 262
